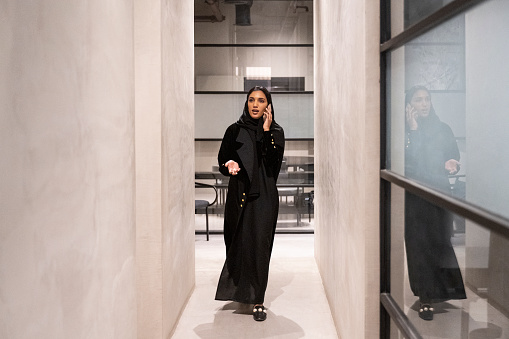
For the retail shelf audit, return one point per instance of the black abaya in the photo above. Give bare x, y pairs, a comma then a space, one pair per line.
250, 219
433, 269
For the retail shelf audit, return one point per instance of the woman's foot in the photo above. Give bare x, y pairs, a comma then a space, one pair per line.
426, 312
259, 313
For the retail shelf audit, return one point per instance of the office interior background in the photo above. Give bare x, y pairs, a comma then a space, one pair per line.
105, 112
270, 43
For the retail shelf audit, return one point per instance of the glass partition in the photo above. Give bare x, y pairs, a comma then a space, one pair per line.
215, 112
478, 258
280, 69
295, 185
405, 13
445, 128
240, 44
455, 140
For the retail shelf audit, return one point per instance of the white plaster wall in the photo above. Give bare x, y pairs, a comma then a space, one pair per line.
178, 158
68, 231
164, 162
347, 161
67, 226
147, 37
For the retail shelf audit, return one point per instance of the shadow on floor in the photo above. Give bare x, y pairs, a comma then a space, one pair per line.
235, 320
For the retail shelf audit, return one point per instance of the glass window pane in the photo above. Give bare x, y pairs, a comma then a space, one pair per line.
215, 112
405, 13
438, 261
451, 133
295, 186
271, 22
282, 69
225, 73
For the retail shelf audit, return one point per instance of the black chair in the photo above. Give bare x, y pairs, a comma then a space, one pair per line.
204, 204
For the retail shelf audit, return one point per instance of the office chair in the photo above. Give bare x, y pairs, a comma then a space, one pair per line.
204, 204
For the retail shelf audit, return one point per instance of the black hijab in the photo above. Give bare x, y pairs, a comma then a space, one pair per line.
254, 127
432, 121
434, 145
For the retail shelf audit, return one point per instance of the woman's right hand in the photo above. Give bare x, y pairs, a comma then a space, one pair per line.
452, 166
411, 117
233, 167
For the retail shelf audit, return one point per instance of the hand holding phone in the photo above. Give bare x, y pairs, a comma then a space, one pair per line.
267, 118
411, 116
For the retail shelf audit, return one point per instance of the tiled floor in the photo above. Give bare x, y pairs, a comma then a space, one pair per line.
472, 318
297, 307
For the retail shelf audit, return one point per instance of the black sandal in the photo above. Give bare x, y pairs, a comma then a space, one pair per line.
426, 312
259, 313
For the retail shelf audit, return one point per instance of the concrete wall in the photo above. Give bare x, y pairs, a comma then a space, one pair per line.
96, 127
67, 241
177, 128
347, 161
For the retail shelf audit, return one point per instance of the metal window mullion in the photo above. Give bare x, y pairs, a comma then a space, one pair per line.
253, 45
244, 93
428, 23
398, 316
482, 217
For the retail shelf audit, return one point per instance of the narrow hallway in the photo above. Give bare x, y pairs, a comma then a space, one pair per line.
295, 298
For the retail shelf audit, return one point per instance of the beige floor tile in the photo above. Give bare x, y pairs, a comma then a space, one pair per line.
297, 306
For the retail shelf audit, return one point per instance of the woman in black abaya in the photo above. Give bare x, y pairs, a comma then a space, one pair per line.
431, 154
251, 154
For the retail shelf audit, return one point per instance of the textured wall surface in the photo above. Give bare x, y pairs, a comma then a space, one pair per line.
347, 151
147, 41
67, 228
164, 162
96, 163
178, 158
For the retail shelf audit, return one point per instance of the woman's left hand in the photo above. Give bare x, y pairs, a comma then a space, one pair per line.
452, 166
267, 118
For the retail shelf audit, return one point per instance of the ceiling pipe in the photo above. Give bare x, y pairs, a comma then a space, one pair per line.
205, 18
217, 17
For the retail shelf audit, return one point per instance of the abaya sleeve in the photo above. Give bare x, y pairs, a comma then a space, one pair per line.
452, 150
227, 151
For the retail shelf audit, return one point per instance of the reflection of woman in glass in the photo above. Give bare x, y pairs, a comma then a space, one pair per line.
251, 154
431, 154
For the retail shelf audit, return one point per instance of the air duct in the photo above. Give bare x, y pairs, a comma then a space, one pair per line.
242, 15
242, 11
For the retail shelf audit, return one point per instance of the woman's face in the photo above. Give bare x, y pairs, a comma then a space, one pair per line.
421, 102
256, 103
